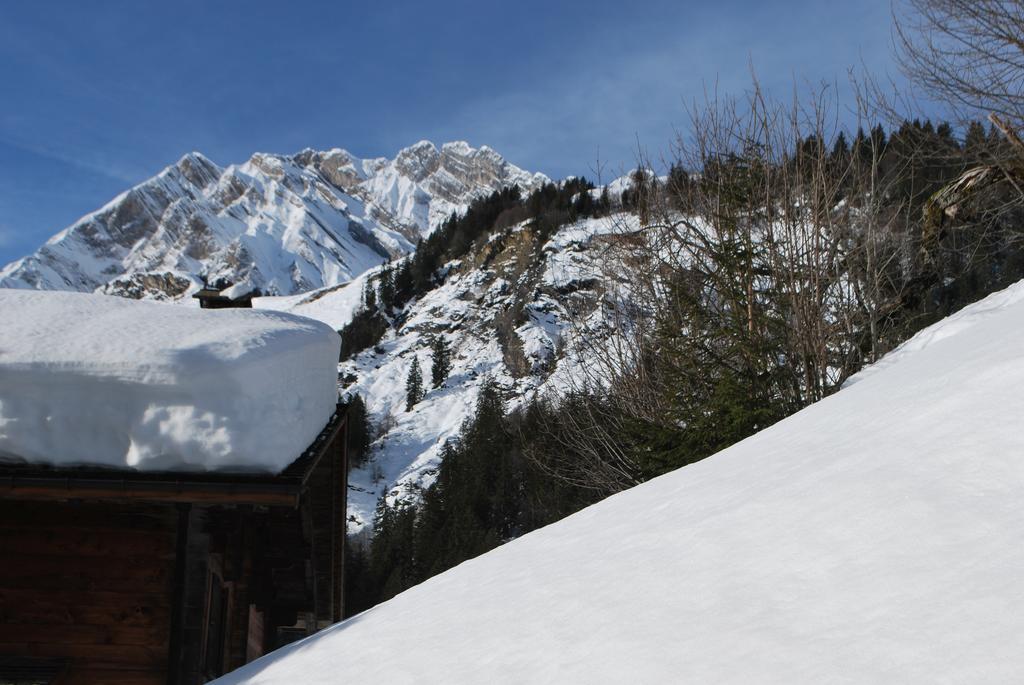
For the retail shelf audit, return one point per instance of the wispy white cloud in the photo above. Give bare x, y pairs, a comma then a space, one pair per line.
89, 163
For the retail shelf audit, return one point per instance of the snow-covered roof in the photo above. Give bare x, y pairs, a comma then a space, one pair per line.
876, 536
104, 381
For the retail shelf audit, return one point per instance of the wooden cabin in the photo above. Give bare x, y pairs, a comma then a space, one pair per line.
213, 298
120, 577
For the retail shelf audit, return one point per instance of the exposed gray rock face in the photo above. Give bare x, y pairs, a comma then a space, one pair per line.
165, 286
283, 224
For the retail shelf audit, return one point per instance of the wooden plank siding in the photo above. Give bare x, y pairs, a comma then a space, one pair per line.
44, 489
339, 489
109, 580
323, 505
90, 585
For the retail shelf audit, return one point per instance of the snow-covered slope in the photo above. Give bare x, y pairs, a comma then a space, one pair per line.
876, 536
503, 311
284, 224
105, 381
993, 305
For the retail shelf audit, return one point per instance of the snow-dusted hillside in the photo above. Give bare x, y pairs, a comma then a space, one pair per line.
876, 536
508, 279
284, 224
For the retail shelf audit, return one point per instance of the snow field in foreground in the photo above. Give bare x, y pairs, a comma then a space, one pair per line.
876, 536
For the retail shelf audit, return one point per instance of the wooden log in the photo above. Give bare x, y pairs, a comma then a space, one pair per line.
113, 657
149, 611
92, 676
153, 635
160, 600
124, 575
229, 494
76, 515
23, 540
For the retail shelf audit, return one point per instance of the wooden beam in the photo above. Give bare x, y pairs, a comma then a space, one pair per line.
342, 423
186, 492
103, 656
339, 494
110, 542
174, 650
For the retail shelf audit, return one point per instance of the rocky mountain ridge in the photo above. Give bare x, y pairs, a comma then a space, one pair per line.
284, 224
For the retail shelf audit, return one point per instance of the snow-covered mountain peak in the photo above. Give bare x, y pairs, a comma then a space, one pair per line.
418, 161
197, 169
281, 223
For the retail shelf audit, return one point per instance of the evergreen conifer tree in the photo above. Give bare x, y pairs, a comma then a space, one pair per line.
403, 283
840, 148
358, 432
387, 287
413, 385
860, 149
441, 361
976, 141
369, 295
878, 139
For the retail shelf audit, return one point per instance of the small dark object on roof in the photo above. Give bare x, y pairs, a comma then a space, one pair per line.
211, 298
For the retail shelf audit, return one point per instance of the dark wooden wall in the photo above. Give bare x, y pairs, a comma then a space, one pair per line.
100, 586
324, 506
193, 599
88, 584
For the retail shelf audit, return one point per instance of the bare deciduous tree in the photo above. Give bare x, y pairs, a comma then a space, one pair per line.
969, 55
966, 53
749, 284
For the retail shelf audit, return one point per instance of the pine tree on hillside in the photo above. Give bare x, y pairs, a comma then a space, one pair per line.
387, 287
976, 141
369, 295
403, 284
441, 361
358, 432
840, 148
413, 385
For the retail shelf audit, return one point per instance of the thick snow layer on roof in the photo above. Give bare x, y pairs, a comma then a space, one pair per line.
106, 381
876, 536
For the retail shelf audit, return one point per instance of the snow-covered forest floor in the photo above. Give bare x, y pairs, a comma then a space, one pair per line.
505, 276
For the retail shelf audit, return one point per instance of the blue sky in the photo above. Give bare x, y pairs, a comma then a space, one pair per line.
97, 96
